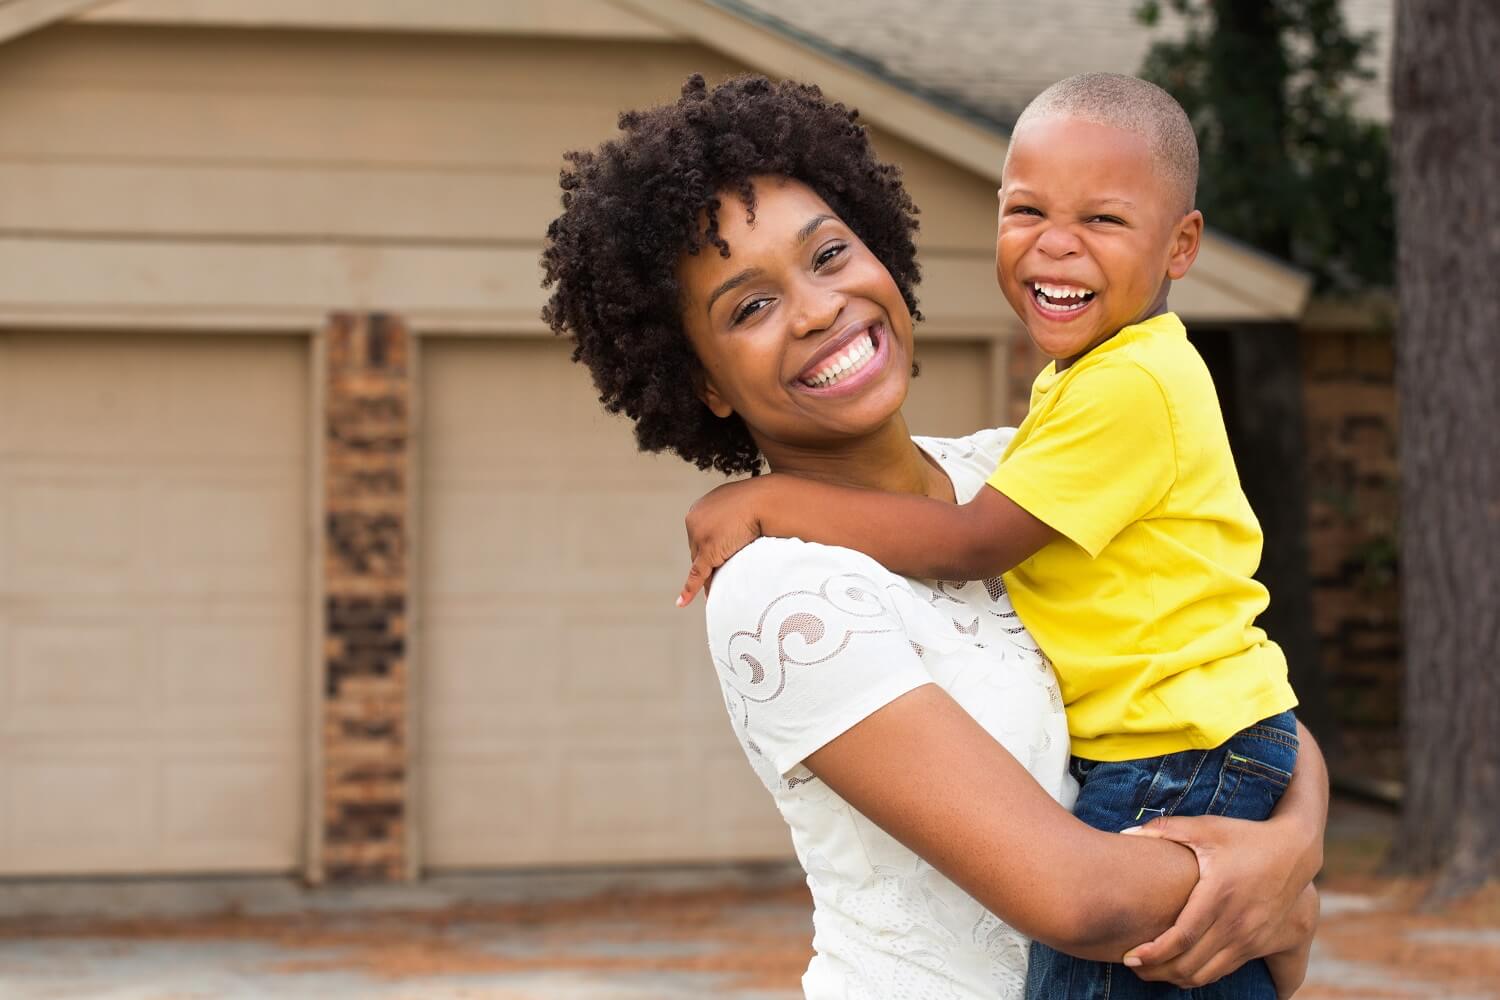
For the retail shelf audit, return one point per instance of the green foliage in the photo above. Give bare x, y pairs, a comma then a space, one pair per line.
1286, 164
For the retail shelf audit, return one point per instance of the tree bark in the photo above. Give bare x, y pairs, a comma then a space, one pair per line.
1270, 425
1446, 146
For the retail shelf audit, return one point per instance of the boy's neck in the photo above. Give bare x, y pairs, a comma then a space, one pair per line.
888, 461
1157, 308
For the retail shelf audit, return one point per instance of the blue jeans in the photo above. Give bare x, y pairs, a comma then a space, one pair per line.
1243, 779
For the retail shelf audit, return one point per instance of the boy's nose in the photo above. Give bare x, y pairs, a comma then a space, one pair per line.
1058, 242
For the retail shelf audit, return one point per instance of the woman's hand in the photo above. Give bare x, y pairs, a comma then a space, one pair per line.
1254, 899
721, 523
1289, 968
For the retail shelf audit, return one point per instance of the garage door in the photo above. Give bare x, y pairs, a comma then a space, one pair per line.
569, 714
152, 586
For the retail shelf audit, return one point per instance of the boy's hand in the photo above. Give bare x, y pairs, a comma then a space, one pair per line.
720, 524
1251, 901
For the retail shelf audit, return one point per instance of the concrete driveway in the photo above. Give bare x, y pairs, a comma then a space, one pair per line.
738, 933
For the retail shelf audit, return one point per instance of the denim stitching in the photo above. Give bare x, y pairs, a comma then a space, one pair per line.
1217, 790
1188, 785
1259, 769
1224, 810
1273, 736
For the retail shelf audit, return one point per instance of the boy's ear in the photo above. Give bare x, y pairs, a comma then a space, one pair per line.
1185, 243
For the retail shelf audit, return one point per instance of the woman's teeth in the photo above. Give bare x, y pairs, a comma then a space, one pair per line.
1062, 298
851, 359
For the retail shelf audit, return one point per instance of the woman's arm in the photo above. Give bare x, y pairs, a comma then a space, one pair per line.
1254, 898
929, 775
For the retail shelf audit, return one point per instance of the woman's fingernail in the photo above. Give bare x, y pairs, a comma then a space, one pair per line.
1132, 962
1130, 832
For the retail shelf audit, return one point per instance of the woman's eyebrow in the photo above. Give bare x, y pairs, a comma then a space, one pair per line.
748, 274
811, 227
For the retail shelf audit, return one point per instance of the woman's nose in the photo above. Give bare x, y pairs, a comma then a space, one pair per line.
817, 310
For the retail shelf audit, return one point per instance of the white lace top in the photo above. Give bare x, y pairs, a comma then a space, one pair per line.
809, 640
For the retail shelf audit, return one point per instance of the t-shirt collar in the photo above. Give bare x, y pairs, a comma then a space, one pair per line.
1162, 324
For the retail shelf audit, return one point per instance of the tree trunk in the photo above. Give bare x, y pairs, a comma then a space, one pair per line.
1269, 426
1446, 91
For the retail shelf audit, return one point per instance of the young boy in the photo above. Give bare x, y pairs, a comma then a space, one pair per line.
1116, 515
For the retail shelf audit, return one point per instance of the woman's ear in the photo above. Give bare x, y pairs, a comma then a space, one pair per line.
709, 393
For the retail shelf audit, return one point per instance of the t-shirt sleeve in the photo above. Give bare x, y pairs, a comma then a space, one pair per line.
807, 641
1104, 457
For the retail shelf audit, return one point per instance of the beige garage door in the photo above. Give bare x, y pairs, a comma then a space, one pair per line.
569, 712
152, 566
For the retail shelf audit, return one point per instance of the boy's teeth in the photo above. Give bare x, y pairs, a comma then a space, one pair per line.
852, 358
1066, 296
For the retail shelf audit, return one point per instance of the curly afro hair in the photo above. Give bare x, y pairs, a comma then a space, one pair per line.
633, 207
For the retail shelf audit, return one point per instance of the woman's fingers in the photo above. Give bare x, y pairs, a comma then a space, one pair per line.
697, 579
1195, 920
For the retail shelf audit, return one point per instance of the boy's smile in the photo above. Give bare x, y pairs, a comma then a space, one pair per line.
1090, 234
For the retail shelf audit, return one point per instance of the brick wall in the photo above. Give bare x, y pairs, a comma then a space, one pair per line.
1353, 487
366, 462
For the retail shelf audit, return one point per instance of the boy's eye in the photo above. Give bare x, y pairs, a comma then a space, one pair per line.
827, 254
1024, 210
1113, 220
746, 310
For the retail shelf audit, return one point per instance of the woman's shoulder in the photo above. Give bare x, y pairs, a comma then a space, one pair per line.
965, 457
770, 570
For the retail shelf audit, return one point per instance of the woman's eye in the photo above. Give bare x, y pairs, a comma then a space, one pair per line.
746, 310
827, 254
1024, 210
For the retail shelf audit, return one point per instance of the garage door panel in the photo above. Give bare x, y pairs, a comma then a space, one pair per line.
73, 678
55, 800
240, 675
152, 602
71, 533
225, 536
551, 549
206, 799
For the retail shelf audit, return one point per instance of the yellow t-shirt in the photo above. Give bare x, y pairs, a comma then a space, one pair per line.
1145, 605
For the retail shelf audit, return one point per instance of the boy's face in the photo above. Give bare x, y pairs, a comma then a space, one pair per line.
1090, 232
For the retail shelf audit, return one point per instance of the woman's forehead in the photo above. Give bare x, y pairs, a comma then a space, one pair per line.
784, 215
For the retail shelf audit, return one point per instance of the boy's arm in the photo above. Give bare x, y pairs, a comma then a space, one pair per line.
909, 535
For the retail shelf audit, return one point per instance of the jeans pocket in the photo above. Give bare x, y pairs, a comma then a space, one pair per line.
1257, 766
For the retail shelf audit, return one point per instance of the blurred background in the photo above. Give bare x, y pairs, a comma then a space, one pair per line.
329, 598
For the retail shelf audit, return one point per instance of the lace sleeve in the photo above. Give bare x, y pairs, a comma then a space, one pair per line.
808, 640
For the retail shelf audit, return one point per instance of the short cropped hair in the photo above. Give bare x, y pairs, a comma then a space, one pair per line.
633, 207
1132, 104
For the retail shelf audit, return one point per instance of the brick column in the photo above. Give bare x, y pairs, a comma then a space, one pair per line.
366, 462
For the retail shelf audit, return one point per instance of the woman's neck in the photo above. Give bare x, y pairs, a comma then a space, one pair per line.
887, 460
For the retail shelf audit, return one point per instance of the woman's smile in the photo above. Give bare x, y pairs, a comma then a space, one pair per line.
848, 362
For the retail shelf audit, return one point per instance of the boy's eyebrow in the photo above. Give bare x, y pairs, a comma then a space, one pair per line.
1026, 193
748, 274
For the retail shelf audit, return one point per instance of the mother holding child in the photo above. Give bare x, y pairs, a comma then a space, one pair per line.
737, 272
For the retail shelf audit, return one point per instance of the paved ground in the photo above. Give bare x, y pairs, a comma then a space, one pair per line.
731, 934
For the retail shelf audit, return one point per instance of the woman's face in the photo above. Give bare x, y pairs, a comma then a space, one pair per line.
801, 330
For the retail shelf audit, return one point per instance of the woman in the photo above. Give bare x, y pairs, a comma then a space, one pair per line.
737, 273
